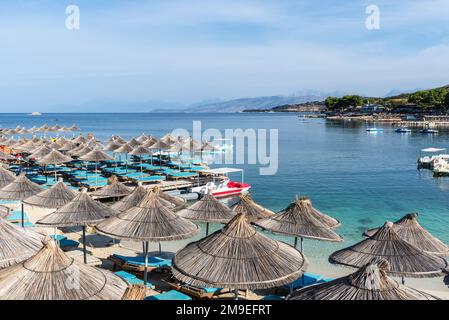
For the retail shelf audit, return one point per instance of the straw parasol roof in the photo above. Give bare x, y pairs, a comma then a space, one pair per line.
142, 138
20, 189
54, 157
160, 145
16, 243
328, 221
80, 211
74, 127
208, 209
79, 139
112, 146
404, 258
51, 275
239, 257
133, 143
55, 197
150, 220
125, 148
6, 177
95, 156
370, 282
411, 231
68, 145
138, 151
114, 189
40, 152
130, 200
252, 210
298, 221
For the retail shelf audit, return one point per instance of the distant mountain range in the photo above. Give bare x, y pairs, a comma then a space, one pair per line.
256, 103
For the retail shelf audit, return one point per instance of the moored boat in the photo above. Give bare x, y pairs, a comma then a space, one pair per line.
403, 130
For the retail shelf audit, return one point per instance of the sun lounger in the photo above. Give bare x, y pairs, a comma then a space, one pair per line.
9, 202
137, 264
272, 297
16, 216
145, 179
132, 279
199, 293
306, 280
169, 295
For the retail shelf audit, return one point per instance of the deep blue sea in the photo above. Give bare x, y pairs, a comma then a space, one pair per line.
360, 178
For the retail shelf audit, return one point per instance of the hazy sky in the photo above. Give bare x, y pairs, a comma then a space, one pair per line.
185, 51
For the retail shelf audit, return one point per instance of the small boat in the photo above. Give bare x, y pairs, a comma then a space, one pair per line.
35, 113
223, 186
374, 129
403, 130
429, 131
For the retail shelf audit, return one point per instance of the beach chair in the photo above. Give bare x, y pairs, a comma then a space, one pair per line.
15, 216
132, 279
169, 295
195, 292
272, 297
149, 179
307, 279
137, 264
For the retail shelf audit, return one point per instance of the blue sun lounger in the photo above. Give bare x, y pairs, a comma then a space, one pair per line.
169, 295
149, 178
9, 202
307, 279
132, 279
155, 262
16, 216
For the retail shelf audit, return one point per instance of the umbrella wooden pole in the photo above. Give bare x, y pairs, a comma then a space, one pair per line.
207, 229
302, 240
145, 256
296, 242
236, 294
160, 249
403, 280
23, 215
84, 245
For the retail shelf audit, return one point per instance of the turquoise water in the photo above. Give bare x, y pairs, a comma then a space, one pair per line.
360, 178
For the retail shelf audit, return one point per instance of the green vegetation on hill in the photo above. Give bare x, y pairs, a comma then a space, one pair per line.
437, 98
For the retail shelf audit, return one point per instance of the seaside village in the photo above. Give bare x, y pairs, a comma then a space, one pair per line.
87, 219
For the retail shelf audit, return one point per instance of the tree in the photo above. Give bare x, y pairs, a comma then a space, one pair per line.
446, 102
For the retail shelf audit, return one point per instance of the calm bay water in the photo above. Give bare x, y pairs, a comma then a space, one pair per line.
360, 178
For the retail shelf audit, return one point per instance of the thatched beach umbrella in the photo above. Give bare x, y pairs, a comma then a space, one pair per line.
130, 200
370, 282
328, 221
298, 221
209, 210
54, 157
238, 257
114, 189
161, 145
133, 143
20, 189
81, 211
405, 259
411, 231
142, 138
40, 152
95, 156
6, 177
55, 197
16, 244
125, 148
51, 275
252, 210
74, 127
140, 151
149, 221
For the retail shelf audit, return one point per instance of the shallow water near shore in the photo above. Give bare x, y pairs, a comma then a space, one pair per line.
360, 178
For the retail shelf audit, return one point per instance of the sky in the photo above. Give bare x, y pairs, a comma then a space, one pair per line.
178, 52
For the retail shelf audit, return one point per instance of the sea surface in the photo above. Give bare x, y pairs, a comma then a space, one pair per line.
360, 178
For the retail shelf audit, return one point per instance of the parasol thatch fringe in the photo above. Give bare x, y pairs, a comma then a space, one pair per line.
411, 231
20, 189
208, 209
150, 221
16, 244
114, 189
135, 292
404, 258
238, 257
299, 221
51, 275
130, 200
370, 282
82, 210
55, 197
